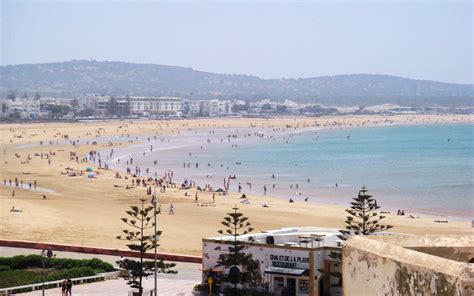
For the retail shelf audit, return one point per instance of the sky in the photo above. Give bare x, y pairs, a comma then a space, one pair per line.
421, 40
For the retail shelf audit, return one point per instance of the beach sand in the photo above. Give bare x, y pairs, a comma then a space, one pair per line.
87, 211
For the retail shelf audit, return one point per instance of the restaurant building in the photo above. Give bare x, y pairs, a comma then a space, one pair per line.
295, 258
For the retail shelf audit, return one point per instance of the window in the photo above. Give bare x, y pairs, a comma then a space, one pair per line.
278, 282
303, 286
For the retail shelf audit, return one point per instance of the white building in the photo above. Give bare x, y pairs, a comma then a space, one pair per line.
27, 108
91, 101
287, 257
145, 106
218, 107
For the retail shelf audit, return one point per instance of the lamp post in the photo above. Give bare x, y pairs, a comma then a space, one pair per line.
153, 201
42, 274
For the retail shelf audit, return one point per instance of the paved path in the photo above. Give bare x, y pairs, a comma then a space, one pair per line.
168, 284
166, 287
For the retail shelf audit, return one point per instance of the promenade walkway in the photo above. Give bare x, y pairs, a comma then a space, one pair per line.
166, 287
168, 284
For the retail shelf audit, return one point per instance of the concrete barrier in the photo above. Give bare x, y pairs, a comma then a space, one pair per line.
97, 251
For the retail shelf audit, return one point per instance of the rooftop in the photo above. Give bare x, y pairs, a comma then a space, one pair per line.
306, 237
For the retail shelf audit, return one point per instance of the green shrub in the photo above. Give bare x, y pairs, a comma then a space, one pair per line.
4, 268
71, 273
12, 278
32, 261
6, 261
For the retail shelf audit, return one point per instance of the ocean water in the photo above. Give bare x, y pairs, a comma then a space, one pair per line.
420, 168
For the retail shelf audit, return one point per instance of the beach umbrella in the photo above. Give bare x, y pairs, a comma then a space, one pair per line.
89, 169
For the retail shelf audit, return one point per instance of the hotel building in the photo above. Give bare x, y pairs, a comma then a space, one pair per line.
146, 106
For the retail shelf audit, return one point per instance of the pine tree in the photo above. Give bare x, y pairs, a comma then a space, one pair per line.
141, 241
242, 268
363, 219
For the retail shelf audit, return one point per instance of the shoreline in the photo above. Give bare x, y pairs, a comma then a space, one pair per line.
88, 211
329, 198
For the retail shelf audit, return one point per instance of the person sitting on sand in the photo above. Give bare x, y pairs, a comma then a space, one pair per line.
245, 202
13, 209
291, 200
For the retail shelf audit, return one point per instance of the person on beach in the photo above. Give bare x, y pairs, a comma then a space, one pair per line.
171, 212
13, 193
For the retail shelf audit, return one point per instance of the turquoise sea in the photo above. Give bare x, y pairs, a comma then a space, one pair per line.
421, 168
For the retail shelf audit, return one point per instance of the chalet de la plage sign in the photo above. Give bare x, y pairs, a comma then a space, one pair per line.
285, 261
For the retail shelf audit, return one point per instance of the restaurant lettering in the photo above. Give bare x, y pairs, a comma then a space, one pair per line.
287, 261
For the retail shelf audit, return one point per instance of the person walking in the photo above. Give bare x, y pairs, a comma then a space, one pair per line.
68, 287
171, 212
49, 253
64, 288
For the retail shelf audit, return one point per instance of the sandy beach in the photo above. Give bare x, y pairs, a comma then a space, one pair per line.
87, 211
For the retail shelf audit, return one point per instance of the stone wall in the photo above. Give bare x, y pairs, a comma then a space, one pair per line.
377, 267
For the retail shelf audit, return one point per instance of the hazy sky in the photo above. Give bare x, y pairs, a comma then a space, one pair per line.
423, 40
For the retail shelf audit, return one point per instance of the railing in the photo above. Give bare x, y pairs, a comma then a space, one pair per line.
54, 284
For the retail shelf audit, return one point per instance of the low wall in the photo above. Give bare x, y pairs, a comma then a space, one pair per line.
97, 251
374, 267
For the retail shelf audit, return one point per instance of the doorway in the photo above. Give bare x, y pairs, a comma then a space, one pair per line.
291, 286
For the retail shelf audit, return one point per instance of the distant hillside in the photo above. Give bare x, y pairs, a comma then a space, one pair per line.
74, 78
